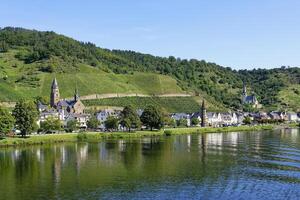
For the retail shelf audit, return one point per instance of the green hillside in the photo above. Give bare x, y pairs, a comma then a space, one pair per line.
23, 80
168, 104
29, 60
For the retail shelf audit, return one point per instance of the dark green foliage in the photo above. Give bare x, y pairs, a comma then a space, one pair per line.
168, 121
25, 114
247, 120
51, 125
93, 123
182, 122
152, 118
111, 123
72, 125
3, 47
6, 121
195, 121
130, 119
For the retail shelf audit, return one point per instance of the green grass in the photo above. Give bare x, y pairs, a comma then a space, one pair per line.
89, 80
95, 137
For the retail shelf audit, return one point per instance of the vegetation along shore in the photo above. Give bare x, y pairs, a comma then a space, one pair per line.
98, 136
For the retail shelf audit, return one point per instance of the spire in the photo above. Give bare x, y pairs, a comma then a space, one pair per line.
54, 84
203, 114
54, 95
244, 89
76, 94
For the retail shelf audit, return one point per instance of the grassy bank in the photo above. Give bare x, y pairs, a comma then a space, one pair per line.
96, 136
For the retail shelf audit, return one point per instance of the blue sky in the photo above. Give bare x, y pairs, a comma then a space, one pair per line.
241, 34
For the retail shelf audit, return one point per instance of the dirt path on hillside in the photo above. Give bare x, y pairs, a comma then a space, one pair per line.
112, 95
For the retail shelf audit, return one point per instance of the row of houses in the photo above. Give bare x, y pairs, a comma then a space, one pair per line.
218, 119
214, 119
74, 109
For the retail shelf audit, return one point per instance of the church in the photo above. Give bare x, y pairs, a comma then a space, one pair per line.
64, 109
249, 99
69, 106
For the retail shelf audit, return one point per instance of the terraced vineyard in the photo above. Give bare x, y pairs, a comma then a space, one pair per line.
168, 104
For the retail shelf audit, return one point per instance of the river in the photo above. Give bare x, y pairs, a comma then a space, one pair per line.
237, 165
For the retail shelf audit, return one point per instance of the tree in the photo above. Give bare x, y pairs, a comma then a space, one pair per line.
152, 118
93, 123
168, 121
6, 121
25, 114
129, 118
182, 122
72, 125
247, 120
3, 46
111, 123
195, 121
51, 124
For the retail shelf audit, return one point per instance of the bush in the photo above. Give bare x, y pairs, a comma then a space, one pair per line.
168, 132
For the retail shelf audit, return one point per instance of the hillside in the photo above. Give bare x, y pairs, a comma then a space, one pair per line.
29, 59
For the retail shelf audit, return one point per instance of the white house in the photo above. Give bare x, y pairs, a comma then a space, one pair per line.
80, 118
292, 117
229, 119
179, 116
46, 114
214, 119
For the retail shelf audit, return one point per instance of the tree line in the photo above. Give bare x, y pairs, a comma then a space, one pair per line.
199, 76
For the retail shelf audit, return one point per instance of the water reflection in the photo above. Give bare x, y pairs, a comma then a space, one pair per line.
222, 166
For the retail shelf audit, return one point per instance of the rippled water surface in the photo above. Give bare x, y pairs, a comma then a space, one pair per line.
254, 165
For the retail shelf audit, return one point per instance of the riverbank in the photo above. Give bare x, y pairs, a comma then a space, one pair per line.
98, 136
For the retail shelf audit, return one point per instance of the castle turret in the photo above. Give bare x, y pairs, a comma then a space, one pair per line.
54, 96
203, 114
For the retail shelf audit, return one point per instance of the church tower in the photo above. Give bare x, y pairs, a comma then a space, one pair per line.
54, 96
244, 94
203, 114
76, 95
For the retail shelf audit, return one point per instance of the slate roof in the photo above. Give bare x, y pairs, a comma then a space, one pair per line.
66, 103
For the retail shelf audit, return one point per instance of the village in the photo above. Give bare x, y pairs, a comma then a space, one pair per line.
67, 110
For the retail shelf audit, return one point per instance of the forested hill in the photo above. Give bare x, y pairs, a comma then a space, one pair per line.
48, 53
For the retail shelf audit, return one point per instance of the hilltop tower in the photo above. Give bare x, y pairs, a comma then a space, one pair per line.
203, 114
54, 96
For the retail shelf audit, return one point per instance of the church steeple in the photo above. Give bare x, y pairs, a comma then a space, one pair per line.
203, 114
54, 95
76, 94
244, 89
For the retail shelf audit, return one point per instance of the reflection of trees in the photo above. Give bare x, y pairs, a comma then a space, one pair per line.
199, 158
131, 155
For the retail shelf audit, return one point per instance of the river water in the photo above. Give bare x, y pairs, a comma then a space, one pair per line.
248, 165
